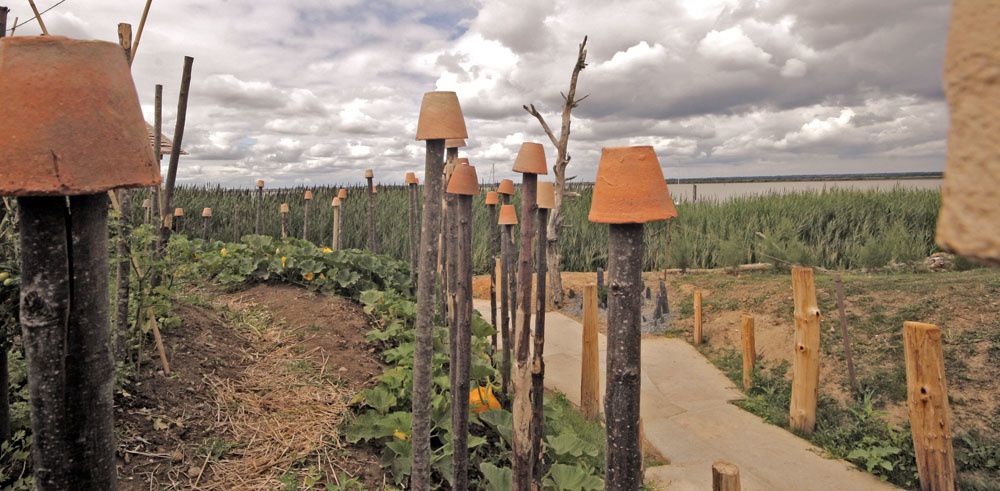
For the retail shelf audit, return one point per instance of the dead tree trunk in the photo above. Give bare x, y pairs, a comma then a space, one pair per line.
463, 342
521, 455
622, 455
553, 255
538, 363
420, 477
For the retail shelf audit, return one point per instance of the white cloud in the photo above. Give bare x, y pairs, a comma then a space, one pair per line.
733, 48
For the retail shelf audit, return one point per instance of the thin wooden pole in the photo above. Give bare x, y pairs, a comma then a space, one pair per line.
749, 350
41, 23
3, 20
463, 342
848, 353
158, 338
125, 39
138, 34
414, 230
157, 151
284, 224
204, 227
494, 245
927, 400
305, 221
590, 381
335, 242
372, 246
623, 455
805, 361
505, 295
521, 451
424, 346
725, 477
697, 318
259, 208
538, 360
600, 286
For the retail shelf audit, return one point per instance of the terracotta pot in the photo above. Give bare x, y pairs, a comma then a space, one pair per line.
454, 143
342, 194
464, 181
492, 198
369, 173
178, 212
531, 159
546, 195
309, 195
630, 188
260, 184
206, 213
283, 208
411, 178
440, 117
462, 161
336, 202
508, 215
506, 187
71, 120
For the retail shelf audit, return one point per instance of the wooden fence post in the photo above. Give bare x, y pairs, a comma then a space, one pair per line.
179, 220
697, 318
848, 354
206, 217
335, 240
805, 361
545, 201
725, 477
749, 350
305, 214
260, 204
507, 220
369, 177
412, 186
283, 211
492, 201
590, 381
927, 400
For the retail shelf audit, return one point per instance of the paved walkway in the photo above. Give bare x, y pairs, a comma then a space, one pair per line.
688, 418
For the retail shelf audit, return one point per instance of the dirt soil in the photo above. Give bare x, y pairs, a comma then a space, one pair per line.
260, 382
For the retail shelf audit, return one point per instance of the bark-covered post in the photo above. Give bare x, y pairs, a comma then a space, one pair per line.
492, 200
175, 151
413, 187
600, 287
545, 200
283, 211
507, 220
440, 118
179, 220
3, 20
749, 350
206, 218
530, 163
308, 196
590, 363
462, 186
927, 401
629, 191
260, 204
64, 311
848, 353
697, 318
342, 194
725, 476
334, 241
370, 188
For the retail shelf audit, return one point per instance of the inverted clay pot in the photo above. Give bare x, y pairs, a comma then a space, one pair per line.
464, 181
206, 213
71, 120
546, 198
630, 188
178, 212
342, 194
506, 187
308, 196
260, 184
462, 161
369, 173
454, 143
441, 117
508, 215
492, 198
335, 203
283, 208
411, 178
531, 159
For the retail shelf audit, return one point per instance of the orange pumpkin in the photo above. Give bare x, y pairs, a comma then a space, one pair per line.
481, 399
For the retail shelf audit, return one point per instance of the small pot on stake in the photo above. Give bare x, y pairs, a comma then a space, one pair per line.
629, 191
60, 96
178, 220
342, 194
308, 196
492, 201
413, 187
371, 244
147, 206
530, 163
283, 210
206, 217
507, 220
546, 201
464, 184
440, 118
260, 204
336, 204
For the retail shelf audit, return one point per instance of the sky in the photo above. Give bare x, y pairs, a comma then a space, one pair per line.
312, 92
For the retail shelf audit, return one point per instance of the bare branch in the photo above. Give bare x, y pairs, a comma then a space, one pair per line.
541, 120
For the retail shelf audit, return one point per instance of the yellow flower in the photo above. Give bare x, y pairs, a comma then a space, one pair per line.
283, 258
400, 435
223, 252
327, 250
308, 276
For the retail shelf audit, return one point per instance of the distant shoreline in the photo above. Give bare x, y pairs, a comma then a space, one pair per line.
809, 178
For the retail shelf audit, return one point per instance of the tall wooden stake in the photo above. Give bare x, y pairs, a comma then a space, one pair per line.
38, 17
749, 350
521, 455
697, 318
156, 202
463, 341
848, 353
414, 231
305, 220
590, 376
805, 362
927, 400
3, 20
506, 244
424, 346
372, 245
4, 374
494, 245
260, 204
335, 241
538, 362
623, 456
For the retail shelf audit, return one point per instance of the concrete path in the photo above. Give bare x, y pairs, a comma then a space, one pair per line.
688, 418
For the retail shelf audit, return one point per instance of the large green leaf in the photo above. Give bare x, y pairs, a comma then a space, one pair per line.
497, 478
564, 477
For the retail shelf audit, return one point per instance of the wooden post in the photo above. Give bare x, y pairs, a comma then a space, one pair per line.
335, 240
506, 244
305, 215
848, 353
125, 39
124, 277
260, 204
206, 218
805, 361
623, 456
927, 400
494, 246
369, 177
725, 477
413, 189
749, 350
158, 339
66, 337
3, 20
600, 286
521, 451
697, 318
538, 362
695, 193
38, 17
138, 35
590, 378
156, 203
283, 211
463, 340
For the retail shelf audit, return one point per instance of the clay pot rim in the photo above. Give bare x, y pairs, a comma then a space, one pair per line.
506, 210
505, 183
